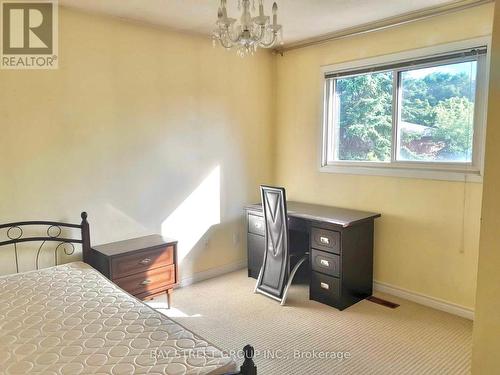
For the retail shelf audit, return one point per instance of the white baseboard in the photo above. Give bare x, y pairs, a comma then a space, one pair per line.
211, 273
425, 300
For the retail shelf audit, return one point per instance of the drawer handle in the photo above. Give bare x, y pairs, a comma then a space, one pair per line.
325, 240
325, 263
145, 261
258, 225
146, 282
325, 286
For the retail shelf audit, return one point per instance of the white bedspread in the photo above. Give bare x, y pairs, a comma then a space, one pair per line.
70, 319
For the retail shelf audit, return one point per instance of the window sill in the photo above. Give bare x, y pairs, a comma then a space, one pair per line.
419, 173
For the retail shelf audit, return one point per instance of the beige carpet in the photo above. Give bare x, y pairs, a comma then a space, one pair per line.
411, 339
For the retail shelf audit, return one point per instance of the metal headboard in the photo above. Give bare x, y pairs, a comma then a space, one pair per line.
54, 230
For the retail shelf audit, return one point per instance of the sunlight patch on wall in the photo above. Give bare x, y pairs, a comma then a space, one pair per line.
194, 217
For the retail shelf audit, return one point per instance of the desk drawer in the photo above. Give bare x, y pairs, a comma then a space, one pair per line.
142, 261
325, 262
256, 225
149, 280
325, 289
326, 240
256, 245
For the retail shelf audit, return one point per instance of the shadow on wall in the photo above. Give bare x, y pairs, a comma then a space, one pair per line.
189, 222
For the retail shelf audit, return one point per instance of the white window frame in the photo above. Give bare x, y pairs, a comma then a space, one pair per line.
471, 172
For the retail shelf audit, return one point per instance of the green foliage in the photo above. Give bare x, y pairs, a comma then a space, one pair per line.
454, 117
422, 95
442, 102
365, 117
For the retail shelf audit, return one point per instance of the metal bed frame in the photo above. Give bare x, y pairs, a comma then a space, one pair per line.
54, 234
15, 233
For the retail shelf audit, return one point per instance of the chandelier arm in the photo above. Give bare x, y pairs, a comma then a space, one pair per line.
262, 32
234, 39
223, 41
271, 43
227, 33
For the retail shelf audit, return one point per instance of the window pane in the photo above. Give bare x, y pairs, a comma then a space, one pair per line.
363, 117
437, 113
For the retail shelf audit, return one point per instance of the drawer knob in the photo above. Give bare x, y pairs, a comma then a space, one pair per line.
145, 261
325, 263
324, 240
146, 282
258, 225
325, 286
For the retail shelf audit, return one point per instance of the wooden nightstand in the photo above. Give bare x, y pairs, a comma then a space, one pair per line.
144, 267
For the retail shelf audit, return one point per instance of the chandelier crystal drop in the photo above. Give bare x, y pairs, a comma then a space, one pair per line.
251, 32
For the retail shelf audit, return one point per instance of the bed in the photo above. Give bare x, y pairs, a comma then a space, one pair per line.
70, 319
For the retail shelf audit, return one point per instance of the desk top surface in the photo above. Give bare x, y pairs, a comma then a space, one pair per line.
334, 215
133, 244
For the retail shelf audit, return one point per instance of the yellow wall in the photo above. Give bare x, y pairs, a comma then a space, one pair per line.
131, 123
137, 117
424, 228
486, 337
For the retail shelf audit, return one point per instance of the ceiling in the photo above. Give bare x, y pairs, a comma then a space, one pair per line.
302, 19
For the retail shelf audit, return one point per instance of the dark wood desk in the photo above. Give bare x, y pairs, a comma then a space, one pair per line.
340, 244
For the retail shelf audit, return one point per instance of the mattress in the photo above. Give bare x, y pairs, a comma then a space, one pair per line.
70, 319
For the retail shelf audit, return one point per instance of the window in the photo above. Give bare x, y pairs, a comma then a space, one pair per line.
424, 114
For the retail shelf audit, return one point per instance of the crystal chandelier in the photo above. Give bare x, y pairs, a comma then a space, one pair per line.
251, 33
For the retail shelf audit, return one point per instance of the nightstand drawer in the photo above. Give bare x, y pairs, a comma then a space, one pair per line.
325, 263
142, 261
148, 280
326, 240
